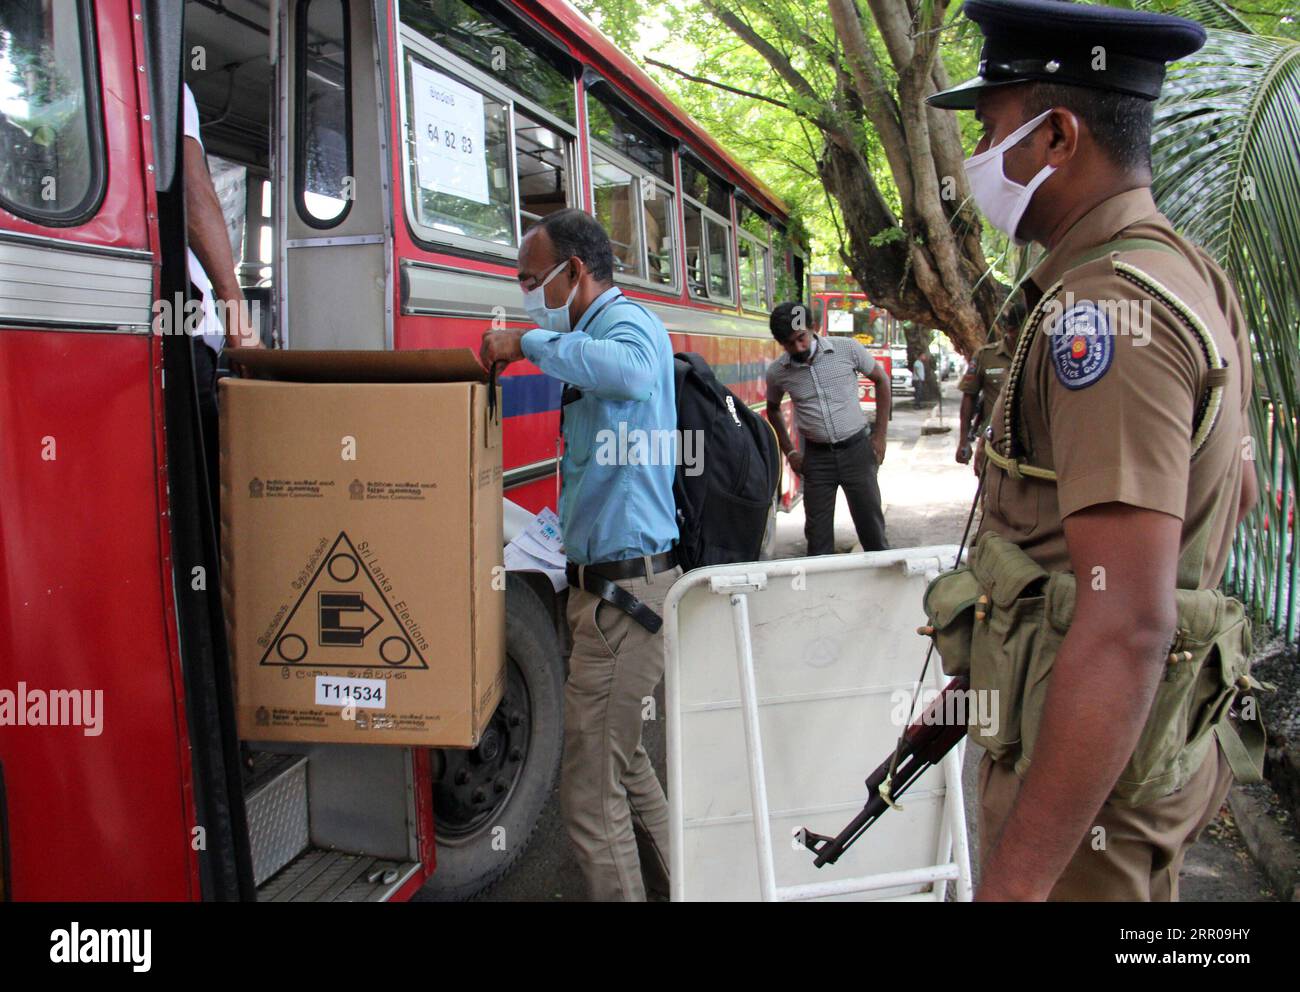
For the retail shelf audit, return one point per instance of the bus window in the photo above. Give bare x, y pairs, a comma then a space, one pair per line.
542, 160
614, 193
708, 255
695, 249
799, 266
657, 207
785, 281
707, 203
753, 251
718, 237
488, 40
753, 273
752, 222
324, 153
460, 166
642, 238
51, 152
615, 128
704, 187
490, 146
631, 170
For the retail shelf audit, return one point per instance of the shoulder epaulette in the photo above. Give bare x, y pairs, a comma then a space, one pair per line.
1207, 411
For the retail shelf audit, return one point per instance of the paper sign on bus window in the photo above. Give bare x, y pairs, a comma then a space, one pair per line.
839, 322
450, 150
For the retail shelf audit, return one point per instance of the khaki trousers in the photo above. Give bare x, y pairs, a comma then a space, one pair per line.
610, 797
1143, 848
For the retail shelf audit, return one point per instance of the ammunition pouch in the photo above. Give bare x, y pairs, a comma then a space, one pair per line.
1002, 619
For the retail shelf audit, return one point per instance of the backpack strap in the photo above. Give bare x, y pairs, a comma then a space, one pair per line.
570, 393
1208, 408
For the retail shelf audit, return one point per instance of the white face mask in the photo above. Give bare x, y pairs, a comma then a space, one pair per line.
1002, 201
549, 318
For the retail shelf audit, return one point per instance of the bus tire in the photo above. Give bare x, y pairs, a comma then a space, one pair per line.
475, 848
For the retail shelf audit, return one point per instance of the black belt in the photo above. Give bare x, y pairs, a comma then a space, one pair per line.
848, 442
599, 580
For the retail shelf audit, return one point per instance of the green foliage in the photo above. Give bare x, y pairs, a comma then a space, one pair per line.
619, 20
888, 236
1277, 18
777, 143
1228, 176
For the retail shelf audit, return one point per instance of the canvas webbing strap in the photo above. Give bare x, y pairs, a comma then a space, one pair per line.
1207, 410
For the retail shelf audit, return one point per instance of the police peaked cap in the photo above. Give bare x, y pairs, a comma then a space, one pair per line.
1054, 41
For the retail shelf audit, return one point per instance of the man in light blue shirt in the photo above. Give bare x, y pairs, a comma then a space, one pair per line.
617, 512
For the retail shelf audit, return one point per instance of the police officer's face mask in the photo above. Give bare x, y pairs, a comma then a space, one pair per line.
549, 318
1000, 199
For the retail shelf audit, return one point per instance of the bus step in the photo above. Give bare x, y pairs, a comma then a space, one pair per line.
276, 803
336, 876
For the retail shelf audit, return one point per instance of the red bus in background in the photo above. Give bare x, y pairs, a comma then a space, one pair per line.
853, 315
381, 160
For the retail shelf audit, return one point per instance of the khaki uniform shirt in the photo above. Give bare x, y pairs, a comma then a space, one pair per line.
987, 372
1125, 435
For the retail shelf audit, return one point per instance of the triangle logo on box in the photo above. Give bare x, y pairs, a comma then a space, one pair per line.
342, 619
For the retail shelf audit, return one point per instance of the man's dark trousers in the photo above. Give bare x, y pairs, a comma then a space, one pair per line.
853, 467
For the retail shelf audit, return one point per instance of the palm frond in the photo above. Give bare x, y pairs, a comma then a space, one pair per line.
1214, 14
1227, 174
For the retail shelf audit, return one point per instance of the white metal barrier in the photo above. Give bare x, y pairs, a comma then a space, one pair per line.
786, 682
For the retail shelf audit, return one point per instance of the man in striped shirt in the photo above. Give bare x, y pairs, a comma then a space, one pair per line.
821, 376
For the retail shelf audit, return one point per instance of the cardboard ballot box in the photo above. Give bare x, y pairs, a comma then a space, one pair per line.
360, 529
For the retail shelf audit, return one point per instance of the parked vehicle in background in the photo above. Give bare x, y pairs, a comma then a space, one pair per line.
900, 381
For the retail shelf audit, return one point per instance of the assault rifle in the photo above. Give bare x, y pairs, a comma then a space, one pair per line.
927, 739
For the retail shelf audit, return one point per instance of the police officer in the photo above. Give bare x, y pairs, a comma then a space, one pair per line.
980, 387
1116, 454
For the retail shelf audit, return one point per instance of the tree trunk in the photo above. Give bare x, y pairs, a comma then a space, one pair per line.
926, 265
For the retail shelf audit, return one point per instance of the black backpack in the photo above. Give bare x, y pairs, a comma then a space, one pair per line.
725, 497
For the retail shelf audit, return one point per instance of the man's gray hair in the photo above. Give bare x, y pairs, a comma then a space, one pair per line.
577, 234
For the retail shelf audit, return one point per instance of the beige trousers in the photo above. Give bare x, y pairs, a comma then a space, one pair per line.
1144, 846
610, 798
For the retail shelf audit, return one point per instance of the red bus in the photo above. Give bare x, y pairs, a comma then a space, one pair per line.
360, 229
853, 315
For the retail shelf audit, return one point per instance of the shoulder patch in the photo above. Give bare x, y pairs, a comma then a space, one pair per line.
1082, 346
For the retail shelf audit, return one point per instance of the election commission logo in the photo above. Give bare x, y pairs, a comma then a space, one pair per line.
1082, 346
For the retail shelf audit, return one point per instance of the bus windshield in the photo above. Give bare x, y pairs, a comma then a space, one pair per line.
853, 315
